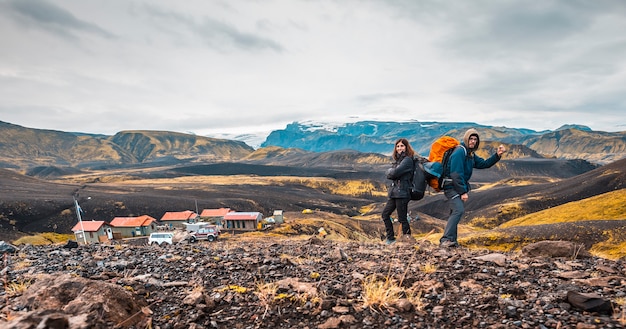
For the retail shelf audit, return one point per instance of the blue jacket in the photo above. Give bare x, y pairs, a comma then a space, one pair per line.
461, 166
400, 174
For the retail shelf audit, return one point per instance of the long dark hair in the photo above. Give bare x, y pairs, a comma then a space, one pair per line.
408, 152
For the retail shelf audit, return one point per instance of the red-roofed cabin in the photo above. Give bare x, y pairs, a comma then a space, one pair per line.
242, 221
92, 231
177, 218
128, 227
215, 215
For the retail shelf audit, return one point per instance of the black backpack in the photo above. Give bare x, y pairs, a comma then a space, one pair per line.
418, 180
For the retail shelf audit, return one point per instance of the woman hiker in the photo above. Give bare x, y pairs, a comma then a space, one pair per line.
399, 193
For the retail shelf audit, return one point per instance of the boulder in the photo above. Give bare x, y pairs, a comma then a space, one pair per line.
589, 302
555, 249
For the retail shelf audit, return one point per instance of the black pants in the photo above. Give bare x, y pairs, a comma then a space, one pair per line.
401, 207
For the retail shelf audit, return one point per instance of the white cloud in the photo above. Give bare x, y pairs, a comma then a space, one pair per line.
237, 67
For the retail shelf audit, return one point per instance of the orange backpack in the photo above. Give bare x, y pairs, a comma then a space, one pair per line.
437, 152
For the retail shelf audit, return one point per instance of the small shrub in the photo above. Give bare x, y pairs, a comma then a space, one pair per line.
379, 294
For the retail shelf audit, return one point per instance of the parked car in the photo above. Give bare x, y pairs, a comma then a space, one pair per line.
204, 233
161, 238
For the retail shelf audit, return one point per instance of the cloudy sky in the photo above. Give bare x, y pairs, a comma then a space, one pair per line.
248, 66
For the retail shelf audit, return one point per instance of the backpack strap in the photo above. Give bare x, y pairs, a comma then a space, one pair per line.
445, 163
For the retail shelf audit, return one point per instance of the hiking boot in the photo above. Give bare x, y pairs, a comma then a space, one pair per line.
448, 244
390, 242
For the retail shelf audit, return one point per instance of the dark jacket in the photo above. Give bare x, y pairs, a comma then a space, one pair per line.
462, 164
400, 173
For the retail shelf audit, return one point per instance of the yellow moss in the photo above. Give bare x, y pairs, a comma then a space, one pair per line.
346, 187
484, 222
35, 240
45, 238
235, 288
367, 209
281, 296
57, 237
614, 247
494, 241
606, 206
284, 229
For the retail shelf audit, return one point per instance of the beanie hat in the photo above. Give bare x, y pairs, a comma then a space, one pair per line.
468, 133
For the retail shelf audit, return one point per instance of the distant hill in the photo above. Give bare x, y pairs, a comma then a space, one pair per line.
595, 146
569, 142
25, 148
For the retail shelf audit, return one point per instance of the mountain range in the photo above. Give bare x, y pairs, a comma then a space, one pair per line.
568, 142
36, 150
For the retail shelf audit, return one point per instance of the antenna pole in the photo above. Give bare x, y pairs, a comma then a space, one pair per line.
80, 220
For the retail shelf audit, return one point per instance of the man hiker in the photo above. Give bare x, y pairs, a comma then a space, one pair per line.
456, 186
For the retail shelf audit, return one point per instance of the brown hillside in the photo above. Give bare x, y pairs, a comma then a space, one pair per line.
274, 152
149, 145
24, 148
274, 155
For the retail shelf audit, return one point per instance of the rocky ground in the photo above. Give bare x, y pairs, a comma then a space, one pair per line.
309, 282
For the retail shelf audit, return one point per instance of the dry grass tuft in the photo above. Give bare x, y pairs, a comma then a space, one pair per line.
17, 288
379, 294
266, 292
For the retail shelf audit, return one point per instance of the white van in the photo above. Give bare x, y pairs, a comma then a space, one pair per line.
160, 238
